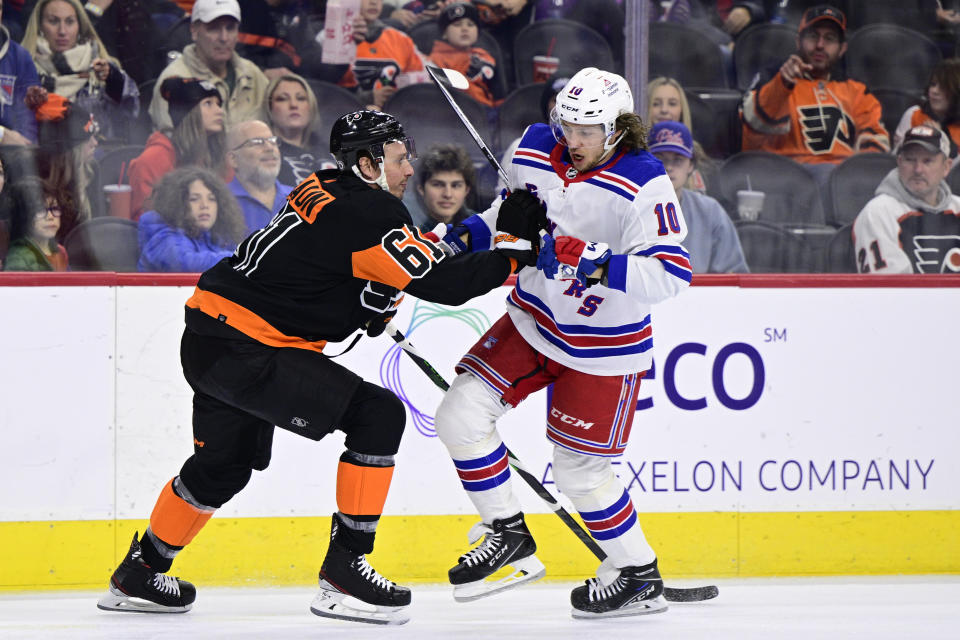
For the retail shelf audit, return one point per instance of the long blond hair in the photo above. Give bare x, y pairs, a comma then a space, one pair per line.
312, 135
86, 33
655, 84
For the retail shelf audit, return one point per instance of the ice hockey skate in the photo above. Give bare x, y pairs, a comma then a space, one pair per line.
135, 587
635, 591
506, 542
350, 589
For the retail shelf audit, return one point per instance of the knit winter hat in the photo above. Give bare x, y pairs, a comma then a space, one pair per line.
61, 123
183, 94
455, 12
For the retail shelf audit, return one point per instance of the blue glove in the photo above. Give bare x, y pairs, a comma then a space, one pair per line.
569, 258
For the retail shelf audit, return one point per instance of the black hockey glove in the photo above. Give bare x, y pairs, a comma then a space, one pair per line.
378, 323
518, 249
522, 215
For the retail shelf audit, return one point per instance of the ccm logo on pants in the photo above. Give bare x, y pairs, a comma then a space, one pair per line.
568, 419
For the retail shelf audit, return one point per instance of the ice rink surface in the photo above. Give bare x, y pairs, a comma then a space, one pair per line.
807, 608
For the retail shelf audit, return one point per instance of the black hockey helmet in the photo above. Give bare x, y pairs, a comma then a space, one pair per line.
364, 133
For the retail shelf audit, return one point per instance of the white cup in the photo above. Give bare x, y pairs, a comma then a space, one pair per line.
749, 204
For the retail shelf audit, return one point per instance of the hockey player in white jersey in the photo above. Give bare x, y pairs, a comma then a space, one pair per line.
580, 321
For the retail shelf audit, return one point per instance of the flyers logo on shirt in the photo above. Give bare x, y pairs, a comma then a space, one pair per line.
825, 125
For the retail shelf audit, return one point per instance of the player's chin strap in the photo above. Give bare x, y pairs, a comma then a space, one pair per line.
380, 181
607, 144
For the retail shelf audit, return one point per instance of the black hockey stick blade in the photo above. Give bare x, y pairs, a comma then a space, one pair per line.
690, 594
671, 594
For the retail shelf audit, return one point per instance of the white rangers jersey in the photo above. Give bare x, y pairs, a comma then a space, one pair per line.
629, 203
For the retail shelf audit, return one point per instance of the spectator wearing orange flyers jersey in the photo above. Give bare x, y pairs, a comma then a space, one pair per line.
387, 59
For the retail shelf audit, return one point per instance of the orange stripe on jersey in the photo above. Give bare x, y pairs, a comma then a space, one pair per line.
309, 198
378, 265
403, 254
176, 521
362, 491
247, 322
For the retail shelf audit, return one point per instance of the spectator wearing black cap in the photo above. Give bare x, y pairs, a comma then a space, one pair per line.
911, 224
214, 27
459, 30
197, 137
67, 140
807, 110
73, 62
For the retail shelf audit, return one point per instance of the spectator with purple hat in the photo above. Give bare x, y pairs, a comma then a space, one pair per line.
711, 237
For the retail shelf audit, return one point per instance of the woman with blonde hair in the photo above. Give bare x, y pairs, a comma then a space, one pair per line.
195, 223
667, 102
198, 137
73, 62
290, 110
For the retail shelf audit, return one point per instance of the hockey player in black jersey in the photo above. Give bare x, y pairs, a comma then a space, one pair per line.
335, 259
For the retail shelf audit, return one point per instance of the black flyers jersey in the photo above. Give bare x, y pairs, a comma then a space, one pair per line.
335, 256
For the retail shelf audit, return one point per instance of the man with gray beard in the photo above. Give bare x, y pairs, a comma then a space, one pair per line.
254, 155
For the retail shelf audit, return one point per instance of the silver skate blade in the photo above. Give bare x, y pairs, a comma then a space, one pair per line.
340, 606
116, 600
528, 569
642, 608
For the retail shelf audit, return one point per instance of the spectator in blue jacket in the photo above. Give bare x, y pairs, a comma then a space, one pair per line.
17, 72
195, 222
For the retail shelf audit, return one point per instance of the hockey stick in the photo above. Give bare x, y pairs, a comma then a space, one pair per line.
673, 594
458, 81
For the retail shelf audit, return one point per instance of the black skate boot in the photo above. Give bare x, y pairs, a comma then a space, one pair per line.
136, 587
350, 589
636, 591
506, 542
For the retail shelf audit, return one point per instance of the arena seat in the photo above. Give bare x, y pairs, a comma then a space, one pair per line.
894, 102
681, 52
759, 47
840, 254
520, 109
103, 244
891, 56
769, 248
792, 195
427, 117
333, 101
117, 159
576, 45
852, 183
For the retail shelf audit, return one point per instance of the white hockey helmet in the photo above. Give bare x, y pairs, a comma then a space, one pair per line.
590, 97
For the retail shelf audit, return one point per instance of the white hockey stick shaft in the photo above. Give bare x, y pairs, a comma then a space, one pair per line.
458, 81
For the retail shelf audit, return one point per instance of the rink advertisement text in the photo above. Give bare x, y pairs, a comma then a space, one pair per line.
761, 400
736, 476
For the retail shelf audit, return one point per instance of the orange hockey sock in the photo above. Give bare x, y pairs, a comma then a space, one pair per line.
174, 520
362, 490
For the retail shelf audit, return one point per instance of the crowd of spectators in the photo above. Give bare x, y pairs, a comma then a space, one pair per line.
242, 91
